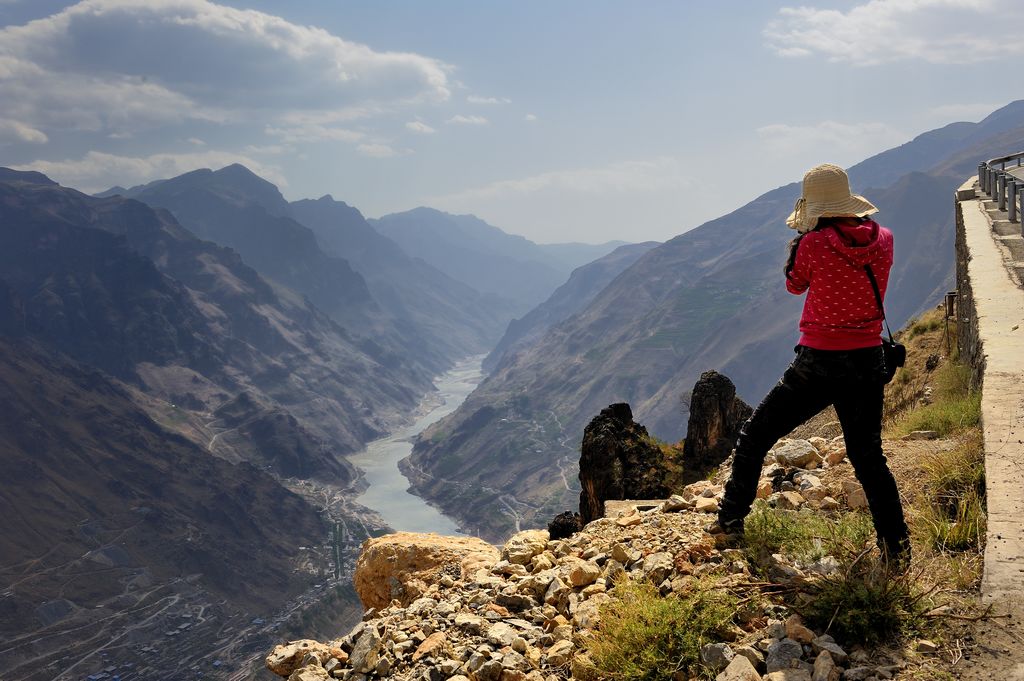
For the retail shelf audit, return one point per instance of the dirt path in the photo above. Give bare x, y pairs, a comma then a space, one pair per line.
992, 647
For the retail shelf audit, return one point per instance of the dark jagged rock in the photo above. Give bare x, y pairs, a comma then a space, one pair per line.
618, 461
716, 415
564, 525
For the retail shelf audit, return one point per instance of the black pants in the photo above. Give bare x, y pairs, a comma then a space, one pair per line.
853, 382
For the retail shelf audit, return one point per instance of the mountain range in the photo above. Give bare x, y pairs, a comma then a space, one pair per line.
710, 298
504, 265
584, 283
187, 370
189, 361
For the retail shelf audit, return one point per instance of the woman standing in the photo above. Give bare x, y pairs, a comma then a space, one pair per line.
839, 359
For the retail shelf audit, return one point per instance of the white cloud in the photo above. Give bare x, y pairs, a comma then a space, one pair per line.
97, 171
624, 177
16, 131
379, 150
119, 64
311, 132
459, 119
621, 200
841, 140
883, 31
965, 111
420, 127
477, 99
196, 142
530, 118
268, 149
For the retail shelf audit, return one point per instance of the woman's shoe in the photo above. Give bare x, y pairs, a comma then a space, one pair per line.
726, 533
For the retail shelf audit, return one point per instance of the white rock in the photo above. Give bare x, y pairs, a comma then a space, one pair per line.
796, 453
560, 654
501, 634
717, 656
706, 505
675, 503
739, 669
583, 572
787, 500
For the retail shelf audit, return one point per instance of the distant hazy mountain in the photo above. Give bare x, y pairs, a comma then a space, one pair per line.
486, 258
153, 385
584, 283
122, 287
711, 298
443, 314
235, 208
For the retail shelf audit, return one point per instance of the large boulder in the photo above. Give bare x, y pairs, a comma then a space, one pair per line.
716, 415
402, 565
618, 460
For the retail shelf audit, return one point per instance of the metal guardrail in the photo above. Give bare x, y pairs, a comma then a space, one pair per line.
1004, 188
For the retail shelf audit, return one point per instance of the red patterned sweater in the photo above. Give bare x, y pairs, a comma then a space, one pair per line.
840, 312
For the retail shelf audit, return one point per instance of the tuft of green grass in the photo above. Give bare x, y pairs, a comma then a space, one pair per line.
955, 406
919, 327
646, 637
804, 534
952, 514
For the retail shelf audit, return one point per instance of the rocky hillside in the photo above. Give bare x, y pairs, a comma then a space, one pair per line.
158, 390
548, 608
584, 284
118, 285
709, 298
115, 525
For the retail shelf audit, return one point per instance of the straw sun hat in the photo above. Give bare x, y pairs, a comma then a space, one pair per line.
827, 195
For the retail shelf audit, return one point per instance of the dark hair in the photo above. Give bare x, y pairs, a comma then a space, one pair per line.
823, 223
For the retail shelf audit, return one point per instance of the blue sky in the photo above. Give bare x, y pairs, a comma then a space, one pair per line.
560, 121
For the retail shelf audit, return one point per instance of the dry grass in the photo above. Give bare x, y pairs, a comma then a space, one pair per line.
647, 637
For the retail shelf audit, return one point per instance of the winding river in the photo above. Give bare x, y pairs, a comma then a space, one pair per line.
388, 491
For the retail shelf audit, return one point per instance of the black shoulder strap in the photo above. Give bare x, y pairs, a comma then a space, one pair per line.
878, 299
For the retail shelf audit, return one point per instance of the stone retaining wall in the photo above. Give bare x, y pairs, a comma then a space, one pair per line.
968, 342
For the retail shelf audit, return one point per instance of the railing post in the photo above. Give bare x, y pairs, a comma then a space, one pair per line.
1020, 211
981, 176
1011, 200
991, 182
1020, 206
1001, 190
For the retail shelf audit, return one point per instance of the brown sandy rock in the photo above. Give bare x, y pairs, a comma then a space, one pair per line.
523, 546
288, 657
400, 566
311, 673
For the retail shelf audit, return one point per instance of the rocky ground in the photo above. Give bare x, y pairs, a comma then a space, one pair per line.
529, 613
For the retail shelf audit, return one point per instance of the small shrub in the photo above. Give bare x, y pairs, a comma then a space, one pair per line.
866, 604
646, 637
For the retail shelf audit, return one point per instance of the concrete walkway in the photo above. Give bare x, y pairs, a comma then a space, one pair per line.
995, 269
